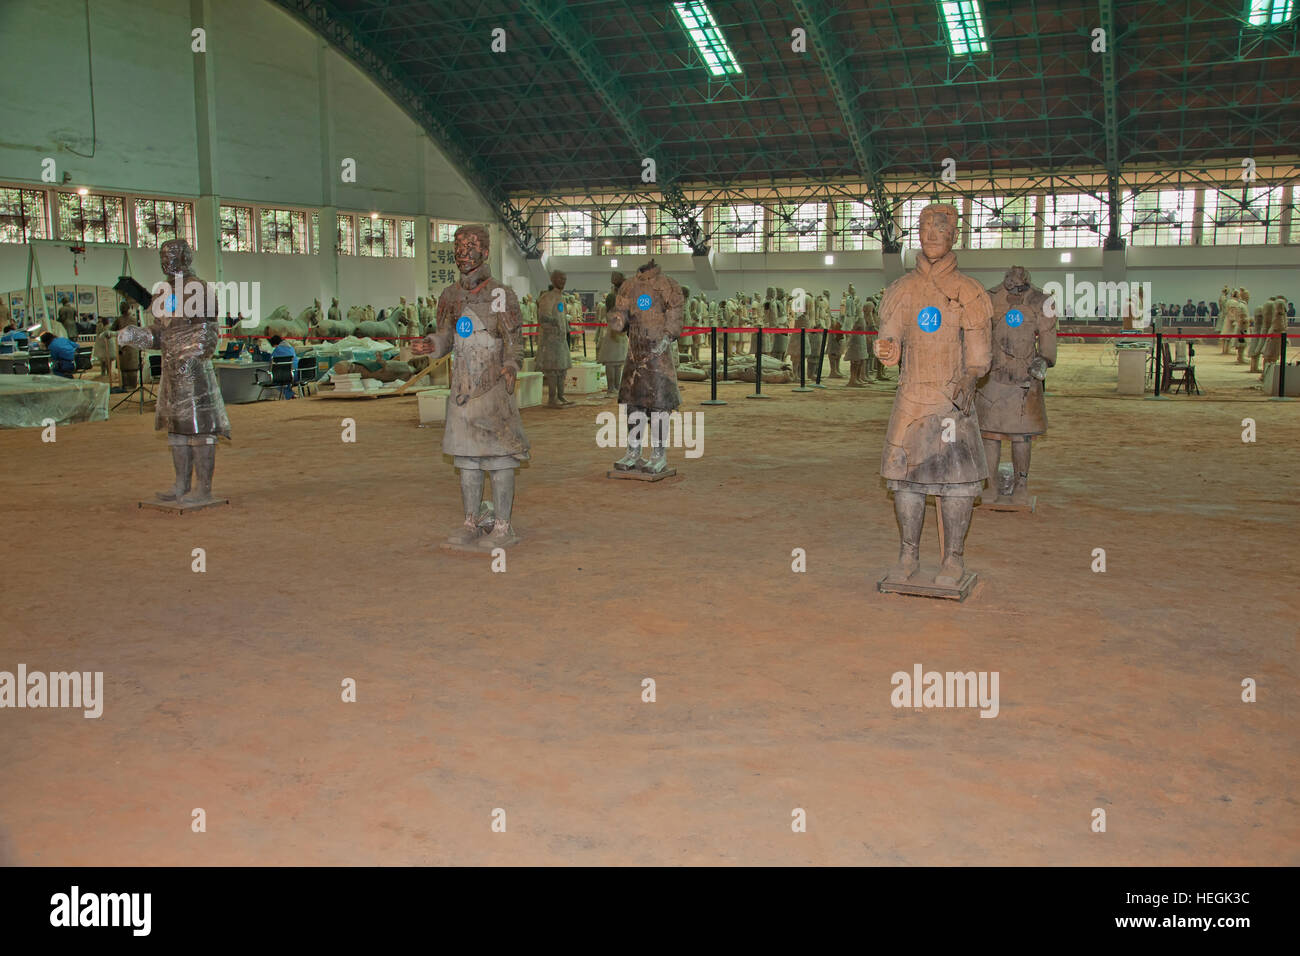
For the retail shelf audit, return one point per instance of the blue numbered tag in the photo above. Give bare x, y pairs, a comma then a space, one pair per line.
559, 306
464, 326
171, 304
929, 319
643, 302
1015, 318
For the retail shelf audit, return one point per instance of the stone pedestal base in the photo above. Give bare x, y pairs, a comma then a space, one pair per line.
1008, 506
922, 584
641, 475
180, 507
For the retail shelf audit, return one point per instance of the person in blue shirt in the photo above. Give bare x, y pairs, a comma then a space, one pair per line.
280, 350
63, 354
13, 340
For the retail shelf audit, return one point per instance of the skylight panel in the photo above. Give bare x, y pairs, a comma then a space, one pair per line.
697, 20
965, 23
1270, 13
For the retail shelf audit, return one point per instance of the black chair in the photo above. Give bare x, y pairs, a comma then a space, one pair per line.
1181, 373
36, 364
278, 378
82, 362
306, 374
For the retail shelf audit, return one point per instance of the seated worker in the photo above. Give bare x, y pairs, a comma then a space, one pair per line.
280, 350
63, 354
13, 340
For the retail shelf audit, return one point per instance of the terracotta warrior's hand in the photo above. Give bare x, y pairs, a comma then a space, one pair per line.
661, 346
887, 350
1038, 367
511, 375
963, 395
423, 346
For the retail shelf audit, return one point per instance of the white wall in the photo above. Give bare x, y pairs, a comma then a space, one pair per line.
272, 77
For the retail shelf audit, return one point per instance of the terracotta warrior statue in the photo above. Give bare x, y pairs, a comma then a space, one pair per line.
611, 347
1223, 329
478, 321
1239, 306
1275, 325
553, 340
935, 324
858, 347
649, 308
190, 407
1255, 346
1010, 400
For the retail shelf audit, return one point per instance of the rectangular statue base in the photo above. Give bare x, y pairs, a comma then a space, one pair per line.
922, 585
1008, 506
641, 475
180, 508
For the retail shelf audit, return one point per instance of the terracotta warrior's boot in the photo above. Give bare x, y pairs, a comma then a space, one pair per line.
835, 367
993, 454
1020, 461
909, 509
502, 534
205, 463
559, 389
471, 494
955, 513
183, 463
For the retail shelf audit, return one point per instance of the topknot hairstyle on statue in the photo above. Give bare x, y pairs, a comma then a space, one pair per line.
944, 211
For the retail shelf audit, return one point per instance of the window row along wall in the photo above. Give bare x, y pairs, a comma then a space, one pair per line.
1188, 216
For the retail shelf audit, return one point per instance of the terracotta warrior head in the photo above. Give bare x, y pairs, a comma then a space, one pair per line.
334, 301
938, 227
558, 279
616, 279
1016, 279
826, 293
176, 256
471, 247
851, 292
686, 292
771, 292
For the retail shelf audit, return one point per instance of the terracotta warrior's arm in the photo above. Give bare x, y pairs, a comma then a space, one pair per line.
616, 317
438, 343
511, 326
888, 347
977, 349
674, 307
1046, 345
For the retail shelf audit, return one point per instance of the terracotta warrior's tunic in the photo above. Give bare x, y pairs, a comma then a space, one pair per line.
941, 319
649, 307
553, 333
1010, 401
483, 429
189, 398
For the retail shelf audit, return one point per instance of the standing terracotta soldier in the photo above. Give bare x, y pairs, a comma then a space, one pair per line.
428, 315
1010, 400
611, 346
1223, 320
1255, 346
1275, 324
649, 308
334, 317
858, 348
479, 322
935, 324
128, 359
553, 340
190, 407
780, 344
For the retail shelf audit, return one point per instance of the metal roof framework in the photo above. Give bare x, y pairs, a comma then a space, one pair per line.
587, 89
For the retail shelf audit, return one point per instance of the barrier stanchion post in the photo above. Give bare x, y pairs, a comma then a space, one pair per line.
821, 357
725, 350
803, 362
758, 368
1160, 341
584, 336
1281, 368
713, 368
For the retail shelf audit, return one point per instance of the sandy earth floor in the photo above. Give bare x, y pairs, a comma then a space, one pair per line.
522, 690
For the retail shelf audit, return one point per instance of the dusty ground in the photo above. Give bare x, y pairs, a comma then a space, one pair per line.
522, 690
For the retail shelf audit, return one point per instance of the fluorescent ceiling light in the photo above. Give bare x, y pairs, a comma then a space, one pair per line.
1065, 257
697, 20
613, 263
830, 260
965, 23
1270, 13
